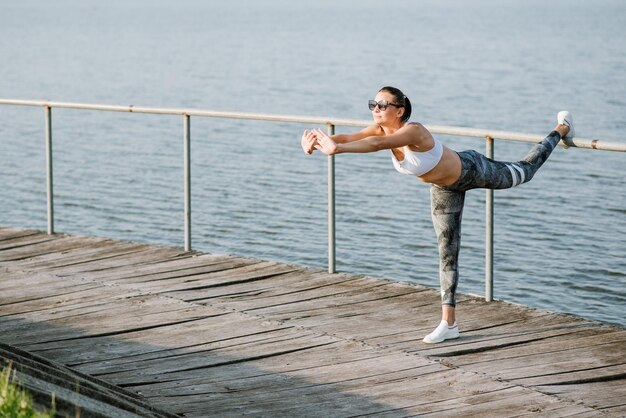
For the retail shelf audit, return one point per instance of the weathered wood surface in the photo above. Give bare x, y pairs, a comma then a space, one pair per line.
218, 335
75, 394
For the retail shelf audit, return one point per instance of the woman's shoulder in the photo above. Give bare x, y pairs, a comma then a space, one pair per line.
374, 130
417, 124
423, 137
417, 128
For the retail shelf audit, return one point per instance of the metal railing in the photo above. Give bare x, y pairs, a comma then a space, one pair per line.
331, 123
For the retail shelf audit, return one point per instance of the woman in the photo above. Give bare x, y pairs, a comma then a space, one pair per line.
451, 174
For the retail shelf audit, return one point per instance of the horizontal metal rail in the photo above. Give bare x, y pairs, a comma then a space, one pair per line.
331, 123
598, 144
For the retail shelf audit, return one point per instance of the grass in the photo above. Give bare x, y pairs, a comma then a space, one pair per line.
16, 402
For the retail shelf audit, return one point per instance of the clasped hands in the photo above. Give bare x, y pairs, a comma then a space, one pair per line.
316, 139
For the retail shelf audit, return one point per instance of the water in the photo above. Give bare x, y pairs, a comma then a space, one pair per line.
560, 240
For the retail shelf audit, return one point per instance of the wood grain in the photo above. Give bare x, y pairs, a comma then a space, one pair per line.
220, 335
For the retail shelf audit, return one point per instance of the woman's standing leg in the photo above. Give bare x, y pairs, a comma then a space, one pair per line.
447, 213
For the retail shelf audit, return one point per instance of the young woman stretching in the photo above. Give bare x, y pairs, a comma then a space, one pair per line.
415, 152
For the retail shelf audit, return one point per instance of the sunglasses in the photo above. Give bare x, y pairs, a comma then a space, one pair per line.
382, 105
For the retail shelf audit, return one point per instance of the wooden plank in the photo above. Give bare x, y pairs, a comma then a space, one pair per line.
583, 339
15, 248
144, 348
240, 274
339, 295
359, 295
179, 262
102, 258
18, 240
209, 328
405, 338
116, 316
189, 366
148, 281
348, 365
80, 251
292, 286
24, 295
541, 363
608, 396
335, 363
512, 402
84, 250
523, 332
341, 384
11, 233
572, 375
414, 395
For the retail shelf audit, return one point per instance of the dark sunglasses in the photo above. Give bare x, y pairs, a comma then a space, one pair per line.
382, 105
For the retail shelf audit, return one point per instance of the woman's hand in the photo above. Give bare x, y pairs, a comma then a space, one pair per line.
308, 142
324, 143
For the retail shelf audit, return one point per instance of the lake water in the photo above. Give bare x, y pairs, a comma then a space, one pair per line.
560, 240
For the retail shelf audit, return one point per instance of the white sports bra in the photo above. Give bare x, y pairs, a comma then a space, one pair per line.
418, 163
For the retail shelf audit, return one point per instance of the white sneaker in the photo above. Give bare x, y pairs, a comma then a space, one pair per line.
442, 332
566, 118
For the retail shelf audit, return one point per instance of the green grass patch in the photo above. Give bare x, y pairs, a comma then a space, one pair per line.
15, 401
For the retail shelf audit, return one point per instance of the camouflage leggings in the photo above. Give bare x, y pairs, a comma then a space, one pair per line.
447, 201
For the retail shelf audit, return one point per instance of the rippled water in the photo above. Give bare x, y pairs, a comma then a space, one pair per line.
560, 240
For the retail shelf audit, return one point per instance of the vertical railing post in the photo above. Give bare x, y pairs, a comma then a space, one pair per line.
49, 189
187, 180
489, 231
331, 206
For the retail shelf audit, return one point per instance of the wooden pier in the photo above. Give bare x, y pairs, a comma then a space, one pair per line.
161, 331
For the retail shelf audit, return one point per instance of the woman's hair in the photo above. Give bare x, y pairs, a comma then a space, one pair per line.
400, 99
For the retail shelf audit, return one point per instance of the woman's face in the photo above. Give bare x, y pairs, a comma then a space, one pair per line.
391, 114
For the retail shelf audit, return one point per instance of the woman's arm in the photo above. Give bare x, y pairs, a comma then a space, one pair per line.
412, 134
357, 136
309, 141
